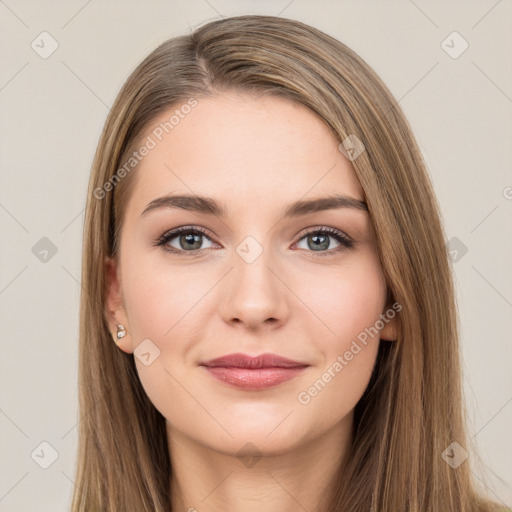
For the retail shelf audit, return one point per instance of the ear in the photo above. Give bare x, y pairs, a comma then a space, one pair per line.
389, 317
115, 311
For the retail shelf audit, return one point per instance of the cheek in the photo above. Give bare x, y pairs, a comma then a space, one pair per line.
347, 299
351, 302
165, 304
163, 300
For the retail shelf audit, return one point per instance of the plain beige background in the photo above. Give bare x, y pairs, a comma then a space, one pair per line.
52, 112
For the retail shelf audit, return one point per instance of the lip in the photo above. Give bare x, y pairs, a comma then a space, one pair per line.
254, 373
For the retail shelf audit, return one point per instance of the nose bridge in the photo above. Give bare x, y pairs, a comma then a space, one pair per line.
252, 262
255, 293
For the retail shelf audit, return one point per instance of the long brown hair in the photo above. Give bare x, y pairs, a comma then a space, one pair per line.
413, 407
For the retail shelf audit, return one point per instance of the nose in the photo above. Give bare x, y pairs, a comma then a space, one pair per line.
254, 295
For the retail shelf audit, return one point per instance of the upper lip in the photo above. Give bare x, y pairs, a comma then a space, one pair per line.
261, 361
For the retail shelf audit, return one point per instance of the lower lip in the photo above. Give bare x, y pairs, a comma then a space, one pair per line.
254, 379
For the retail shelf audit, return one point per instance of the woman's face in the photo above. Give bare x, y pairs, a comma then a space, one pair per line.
253, 280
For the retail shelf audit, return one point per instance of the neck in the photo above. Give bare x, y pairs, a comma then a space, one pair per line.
303, 478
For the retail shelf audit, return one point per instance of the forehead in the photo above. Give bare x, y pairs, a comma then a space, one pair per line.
246, 150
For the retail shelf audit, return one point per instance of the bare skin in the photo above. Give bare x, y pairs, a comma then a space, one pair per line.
301, 298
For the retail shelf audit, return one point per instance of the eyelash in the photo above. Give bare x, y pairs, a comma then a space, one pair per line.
345, 243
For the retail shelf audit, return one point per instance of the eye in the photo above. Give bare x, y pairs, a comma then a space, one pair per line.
188, 239
319, 241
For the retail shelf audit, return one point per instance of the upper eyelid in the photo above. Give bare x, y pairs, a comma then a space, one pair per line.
328, 229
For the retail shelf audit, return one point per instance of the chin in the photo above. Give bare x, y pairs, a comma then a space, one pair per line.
269, 437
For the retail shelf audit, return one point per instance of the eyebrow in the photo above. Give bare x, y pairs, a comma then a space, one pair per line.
210, 206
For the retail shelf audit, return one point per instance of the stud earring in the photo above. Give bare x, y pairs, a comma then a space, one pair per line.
121, 331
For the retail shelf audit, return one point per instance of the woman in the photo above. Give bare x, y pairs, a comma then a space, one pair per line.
263, 245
